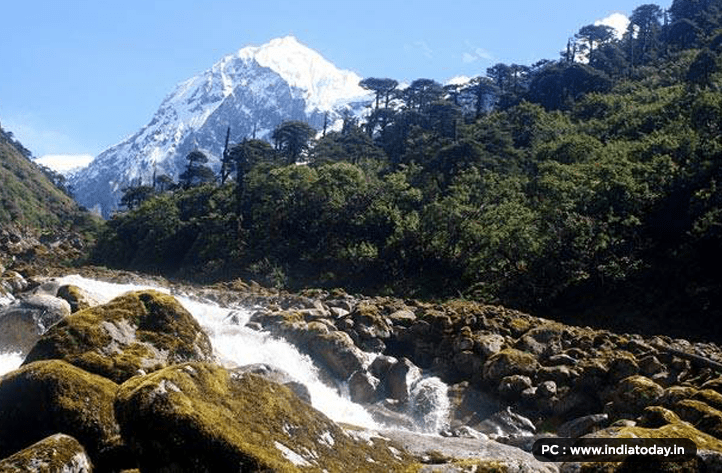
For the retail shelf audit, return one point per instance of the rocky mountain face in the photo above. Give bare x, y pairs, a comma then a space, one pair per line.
251, 92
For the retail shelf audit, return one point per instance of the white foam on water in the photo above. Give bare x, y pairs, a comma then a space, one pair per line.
9, 362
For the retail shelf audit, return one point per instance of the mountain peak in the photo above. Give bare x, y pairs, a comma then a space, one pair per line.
251, 91
305, 69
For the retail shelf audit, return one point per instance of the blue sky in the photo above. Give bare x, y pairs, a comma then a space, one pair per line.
78, 76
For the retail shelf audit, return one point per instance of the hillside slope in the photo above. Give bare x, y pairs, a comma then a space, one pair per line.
31, 206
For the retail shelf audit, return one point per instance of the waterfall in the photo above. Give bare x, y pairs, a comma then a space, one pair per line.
236, 345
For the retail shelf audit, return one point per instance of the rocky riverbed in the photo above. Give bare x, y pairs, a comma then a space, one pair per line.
457, 386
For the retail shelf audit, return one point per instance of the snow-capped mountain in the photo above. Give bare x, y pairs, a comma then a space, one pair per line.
251, 91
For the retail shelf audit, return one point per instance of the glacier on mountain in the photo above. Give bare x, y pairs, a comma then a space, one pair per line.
251, 92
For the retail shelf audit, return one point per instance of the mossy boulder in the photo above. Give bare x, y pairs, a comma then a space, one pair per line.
714, 384
202, 418
134, 333
47, 397
674, 430
509, 362
57, 453
657, 416
334, 350
632, 395
705, 418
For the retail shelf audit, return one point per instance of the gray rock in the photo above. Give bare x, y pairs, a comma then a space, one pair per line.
399, 379
503, 457
362, 387
506, 423
560, 374
489, 344
511, 387
547, 389
25, 320
583, 425
530, 345
402, 317
650, 366
14, 282
387, 415
381, 365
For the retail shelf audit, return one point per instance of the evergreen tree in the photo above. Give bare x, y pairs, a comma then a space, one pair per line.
196, 171
292, 138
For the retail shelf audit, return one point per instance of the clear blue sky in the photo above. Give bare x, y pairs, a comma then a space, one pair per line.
77, 76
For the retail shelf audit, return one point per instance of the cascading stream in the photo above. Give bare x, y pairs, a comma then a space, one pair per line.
236, 345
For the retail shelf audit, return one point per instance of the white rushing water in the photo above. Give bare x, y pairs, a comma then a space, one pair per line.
236, 345
9, 362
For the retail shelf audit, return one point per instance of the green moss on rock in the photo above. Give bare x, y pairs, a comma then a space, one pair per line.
635, 393
74, 296
57, 453
144, 330
509, 362
200, 417
670, 431
47, 397
705, 418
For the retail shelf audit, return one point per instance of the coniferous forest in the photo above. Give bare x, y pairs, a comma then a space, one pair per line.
585, 188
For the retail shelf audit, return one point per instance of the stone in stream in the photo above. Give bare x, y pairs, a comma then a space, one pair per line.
506, 423
25, 320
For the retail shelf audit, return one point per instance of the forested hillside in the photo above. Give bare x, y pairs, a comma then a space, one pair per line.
584, 188
29, 197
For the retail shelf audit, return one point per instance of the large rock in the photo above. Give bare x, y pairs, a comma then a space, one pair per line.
25, 320
632, 395
506, 423
202, 418
582, 425
47, 397
400, 378
57, 453
137, 332
507, 363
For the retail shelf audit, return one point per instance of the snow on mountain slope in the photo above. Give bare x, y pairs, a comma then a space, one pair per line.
251, 91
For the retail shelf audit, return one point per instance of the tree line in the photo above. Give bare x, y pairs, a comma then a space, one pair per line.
590, 181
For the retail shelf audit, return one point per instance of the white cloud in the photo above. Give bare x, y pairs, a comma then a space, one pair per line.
618, 21
475, 54
65, 163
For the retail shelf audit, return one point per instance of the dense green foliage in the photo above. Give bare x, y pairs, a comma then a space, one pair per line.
560, 187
